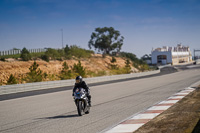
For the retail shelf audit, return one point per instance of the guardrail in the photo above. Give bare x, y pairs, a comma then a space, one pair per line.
9, 89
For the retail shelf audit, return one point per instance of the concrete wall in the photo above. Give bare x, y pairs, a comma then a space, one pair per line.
10, 89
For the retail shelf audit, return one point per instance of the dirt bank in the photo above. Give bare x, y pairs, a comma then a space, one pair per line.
20, 68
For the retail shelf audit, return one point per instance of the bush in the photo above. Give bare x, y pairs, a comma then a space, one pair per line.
45, 75
127, 66
77, 52
137, 63
113, 60
45, 58
79, 69
11, 80
2, 59
66, 73
25, 55
144, 67
35, 74
53, 53
113, 66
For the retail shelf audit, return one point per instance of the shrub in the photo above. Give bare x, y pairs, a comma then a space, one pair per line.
113, 66
144, 67
127, 66
79, 69
11, 80
45, 58
113, 60
53, 53
37, 55
45, 75
25, 55
137, 63
2, 59
35, 74
77, 52
65, 73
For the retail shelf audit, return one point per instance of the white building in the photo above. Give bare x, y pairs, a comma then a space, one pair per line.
171, 55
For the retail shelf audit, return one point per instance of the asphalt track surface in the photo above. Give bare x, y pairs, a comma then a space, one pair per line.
55, 111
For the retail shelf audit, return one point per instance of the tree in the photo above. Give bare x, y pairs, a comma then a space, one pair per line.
25, 55
65, 73
79, 69
35, 74
67, 50
106, 39
11, 80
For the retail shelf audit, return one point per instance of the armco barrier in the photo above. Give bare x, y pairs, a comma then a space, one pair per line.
9, 89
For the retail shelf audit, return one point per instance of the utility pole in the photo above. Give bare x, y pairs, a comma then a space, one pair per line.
62, 37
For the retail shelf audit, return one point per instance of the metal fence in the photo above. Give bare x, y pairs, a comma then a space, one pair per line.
13, 52
8, 89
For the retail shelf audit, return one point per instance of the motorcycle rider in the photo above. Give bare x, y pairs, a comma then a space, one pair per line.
81, 84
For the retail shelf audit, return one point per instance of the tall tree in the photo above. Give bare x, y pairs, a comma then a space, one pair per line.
106, 39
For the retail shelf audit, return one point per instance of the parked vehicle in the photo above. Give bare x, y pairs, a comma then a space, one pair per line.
81, 101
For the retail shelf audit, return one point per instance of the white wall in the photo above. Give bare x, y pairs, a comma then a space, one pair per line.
155, 54
180, 53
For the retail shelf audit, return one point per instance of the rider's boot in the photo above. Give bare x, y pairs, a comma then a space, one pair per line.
89, 100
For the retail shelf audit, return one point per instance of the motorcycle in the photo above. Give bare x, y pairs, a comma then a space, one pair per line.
81, 101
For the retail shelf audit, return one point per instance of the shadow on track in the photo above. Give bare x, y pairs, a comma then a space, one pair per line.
61, 116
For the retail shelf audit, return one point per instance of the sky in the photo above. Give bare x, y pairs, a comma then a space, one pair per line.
145, 24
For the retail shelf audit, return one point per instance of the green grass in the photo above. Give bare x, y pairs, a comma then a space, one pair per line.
37, 55
11, 56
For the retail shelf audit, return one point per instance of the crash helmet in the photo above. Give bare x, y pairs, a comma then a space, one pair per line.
79, 79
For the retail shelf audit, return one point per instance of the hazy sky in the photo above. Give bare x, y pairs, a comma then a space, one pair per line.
145, 24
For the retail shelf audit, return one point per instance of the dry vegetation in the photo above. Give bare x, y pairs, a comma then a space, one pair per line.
93, 64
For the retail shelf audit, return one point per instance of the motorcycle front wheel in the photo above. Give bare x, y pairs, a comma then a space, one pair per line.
80, 108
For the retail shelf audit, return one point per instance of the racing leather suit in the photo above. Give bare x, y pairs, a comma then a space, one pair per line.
84, 86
